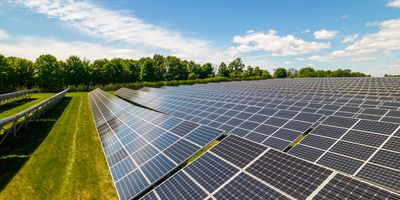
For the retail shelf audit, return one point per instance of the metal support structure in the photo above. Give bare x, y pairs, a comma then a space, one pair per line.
14, 96
11, 125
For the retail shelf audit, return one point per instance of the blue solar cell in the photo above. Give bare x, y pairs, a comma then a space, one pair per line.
157, 167
181, 150
203, 135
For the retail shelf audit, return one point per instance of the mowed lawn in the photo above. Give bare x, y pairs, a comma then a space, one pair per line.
15, 107
57, 157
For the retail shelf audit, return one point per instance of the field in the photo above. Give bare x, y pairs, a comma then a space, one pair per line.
56, 157
23, 104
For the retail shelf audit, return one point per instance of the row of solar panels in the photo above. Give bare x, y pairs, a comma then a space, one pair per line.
143, 146
149, 98
139, 155
240, 169
294, 95
368, 150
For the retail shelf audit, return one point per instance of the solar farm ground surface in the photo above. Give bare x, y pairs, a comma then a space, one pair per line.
15, 107
58, 157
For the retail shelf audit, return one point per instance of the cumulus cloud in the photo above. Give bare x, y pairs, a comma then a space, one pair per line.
306, 31
32, 47
3, 35
93, 20
325, 34
393, 3
275, 44
349, 38
289, 62
386, 40
344, 17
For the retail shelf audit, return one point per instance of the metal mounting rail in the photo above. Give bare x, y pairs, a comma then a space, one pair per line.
13, 96
11, 125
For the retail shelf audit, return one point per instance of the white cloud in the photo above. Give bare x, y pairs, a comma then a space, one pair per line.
306, 31
275, 44
325, 34
32, 47
299, 59
344, 17
395, 63
393, 3
289, 62
386, 40
349, 38
3, 35
93, 20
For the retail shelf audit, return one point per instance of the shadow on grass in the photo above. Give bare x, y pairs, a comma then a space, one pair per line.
14, 104
15, 151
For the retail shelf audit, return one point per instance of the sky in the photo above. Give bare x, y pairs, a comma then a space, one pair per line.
361, 35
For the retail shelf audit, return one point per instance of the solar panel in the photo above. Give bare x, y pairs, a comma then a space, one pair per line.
268, 174
361, 134
344, 187
241, 119
142, 146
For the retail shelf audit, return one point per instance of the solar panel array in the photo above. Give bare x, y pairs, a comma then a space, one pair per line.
364, 148
273, 127
354, 121
143, 146
240, 169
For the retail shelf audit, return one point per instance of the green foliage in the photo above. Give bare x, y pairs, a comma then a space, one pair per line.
307, 72
280, 73
265, 74
236, 67
75, 71
223, 70
257, 71
176, 70
49, 73
206, 71
21, 72
147, 71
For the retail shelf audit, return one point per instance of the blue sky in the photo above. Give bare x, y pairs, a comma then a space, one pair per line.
363, 35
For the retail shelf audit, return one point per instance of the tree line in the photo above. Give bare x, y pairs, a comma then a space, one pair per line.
47, 72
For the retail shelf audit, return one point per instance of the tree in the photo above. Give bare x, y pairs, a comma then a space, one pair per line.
74, 71
147, 70
193, 69
116, 71
357, 74
280, 73
5, 73
134, 69
22, 72
48, 72
321, 73
206, 71
257, 71
307, 72
175, 69
236, 66
160, 69
223, 70
250, 71
96, 72
341, 73
266, 74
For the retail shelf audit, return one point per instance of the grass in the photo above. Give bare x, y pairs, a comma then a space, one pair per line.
202, 151
56, 157
18, 106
